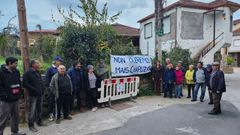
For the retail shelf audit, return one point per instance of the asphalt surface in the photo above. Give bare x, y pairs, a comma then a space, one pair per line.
191, 119
183, 120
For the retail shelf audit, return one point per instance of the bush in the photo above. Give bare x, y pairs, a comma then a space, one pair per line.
178, 54
229, 60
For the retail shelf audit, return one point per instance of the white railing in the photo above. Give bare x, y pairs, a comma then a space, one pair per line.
118, 88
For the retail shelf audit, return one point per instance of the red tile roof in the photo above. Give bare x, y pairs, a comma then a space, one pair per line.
45, 31
125, 30
235, 22
197, 5
236, 32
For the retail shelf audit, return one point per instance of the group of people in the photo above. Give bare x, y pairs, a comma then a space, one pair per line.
64, 86
169, 79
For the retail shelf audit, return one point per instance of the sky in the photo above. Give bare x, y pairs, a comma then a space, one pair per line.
41, 11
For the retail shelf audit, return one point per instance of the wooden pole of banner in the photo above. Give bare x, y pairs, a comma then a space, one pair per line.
110, 77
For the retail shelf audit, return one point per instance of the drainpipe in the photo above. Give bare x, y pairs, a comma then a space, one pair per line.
214, 27
176, 28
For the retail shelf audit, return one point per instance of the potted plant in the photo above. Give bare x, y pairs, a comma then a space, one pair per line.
228, 68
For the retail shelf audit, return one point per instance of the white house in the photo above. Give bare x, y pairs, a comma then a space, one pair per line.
203, 28
234, 50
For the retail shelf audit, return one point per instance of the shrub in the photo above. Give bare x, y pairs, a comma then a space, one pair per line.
229, 60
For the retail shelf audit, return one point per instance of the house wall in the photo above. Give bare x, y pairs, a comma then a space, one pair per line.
168, 40
195, 42
147, 45
186, 33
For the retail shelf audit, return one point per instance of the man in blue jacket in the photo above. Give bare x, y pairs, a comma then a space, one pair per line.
79, 80
169, 80
217, 87
200, 79
50, 73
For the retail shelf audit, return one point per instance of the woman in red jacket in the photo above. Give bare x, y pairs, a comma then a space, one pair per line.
179, 82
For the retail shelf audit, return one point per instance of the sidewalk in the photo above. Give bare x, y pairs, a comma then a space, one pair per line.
106, 118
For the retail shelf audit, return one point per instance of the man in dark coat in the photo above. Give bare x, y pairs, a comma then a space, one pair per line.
10, 93
33, 82
79, 80
217, 87
209, 71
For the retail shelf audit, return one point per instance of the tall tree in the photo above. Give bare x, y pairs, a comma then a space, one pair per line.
91, 16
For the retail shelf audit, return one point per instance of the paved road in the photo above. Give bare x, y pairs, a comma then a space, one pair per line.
189, 119
156, 116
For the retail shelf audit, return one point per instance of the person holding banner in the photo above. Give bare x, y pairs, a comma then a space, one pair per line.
157, 74
169, 80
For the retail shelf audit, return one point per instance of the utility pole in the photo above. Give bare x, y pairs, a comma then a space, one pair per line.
23, 33
158, 27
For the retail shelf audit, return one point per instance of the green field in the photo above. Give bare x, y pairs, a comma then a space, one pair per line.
44, 65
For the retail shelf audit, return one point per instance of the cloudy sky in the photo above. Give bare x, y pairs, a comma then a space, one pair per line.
40, 11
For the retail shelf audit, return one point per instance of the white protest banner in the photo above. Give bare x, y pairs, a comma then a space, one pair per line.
127, 65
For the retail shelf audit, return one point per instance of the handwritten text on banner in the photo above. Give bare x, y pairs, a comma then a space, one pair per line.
128, 65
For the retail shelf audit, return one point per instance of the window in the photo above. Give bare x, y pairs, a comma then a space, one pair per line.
166, 25
148, 30
236, 43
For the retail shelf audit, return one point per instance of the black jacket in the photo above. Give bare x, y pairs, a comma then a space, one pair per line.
218, 82
10, 85
33, 82
157, 73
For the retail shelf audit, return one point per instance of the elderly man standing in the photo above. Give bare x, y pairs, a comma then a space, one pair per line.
34, 84
217, 87
61, 87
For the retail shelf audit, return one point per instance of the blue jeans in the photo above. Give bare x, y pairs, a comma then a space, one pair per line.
178, 90
203, 90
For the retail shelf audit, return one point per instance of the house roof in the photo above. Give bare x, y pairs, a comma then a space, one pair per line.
125, 30
236, 32
197, 5
45, 31
235, 22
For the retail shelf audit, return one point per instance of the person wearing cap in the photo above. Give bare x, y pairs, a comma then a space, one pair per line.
200, 78
102, 72
217, 87
209, 71
92, 89
61, 87
79, 80
49, 74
